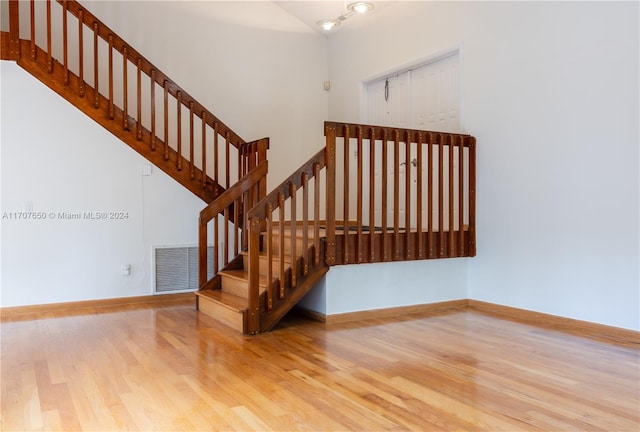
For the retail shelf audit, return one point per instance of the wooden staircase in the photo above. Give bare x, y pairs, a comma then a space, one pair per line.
269, 249
229, 300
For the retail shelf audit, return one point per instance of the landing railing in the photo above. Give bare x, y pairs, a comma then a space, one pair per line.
121, 85
402, 194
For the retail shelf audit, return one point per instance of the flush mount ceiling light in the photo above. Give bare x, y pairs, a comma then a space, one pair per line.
360, 7
328, 24
352, 8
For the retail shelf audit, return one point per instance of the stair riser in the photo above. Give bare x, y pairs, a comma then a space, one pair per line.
235, 286
275, 265
287, 245
225, 315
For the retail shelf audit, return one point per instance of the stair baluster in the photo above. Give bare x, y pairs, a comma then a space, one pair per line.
139, 99
153, 110
385, 192
204, 150
192, 172
49, 56
430, 240
408, 253
345, 189
111, 109
418, 200
96, 89
441, 139
64, 43
165, 86
125, 93
372, 195
81, 53
32, 17
179, 132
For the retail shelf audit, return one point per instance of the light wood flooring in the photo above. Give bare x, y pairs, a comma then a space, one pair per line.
166, 367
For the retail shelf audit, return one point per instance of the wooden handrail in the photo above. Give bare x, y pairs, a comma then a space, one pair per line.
379, 132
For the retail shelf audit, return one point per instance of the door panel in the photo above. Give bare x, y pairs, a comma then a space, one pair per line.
388, 101
435, 102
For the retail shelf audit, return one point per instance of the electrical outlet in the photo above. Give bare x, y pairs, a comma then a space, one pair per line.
126, 269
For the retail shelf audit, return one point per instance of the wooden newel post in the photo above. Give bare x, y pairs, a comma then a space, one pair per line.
330, 156
253, 319
14, 29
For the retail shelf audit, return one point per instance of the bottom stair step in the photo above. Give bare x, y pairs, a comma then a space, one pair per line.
227, 308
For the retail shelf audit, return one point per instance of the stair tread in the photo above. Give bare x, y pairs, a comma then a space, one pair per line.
231, 301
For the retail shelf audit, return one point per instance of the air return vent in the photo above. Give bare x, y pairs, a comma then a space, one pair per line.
176, 268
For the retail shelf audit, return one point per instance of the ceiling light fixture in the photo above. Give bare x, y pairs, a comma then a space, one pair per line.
352, 8
360, 7
328, 24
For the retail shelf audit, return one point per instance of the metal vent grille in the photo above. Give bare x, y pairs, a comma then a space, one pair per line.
176, 268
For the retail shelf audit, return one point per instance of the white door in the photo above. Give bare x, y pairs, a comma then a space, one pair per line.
426, 97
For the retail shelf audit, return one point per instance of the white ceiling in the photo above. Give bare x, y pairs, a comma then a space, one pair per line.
312, 11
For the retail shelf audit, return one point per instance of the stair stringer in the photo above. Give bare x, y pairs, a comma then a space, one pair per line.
293, 295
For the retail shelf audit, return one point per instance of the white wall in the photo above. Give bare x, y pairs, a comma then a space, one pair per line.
550, 90
361, 287
66, 163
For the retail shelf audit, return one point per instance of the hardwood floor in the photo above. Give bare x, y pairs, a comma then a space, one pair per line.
166, 367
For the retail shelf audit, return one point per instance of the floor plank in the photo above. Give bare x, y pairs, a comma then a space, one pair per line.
168, 367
